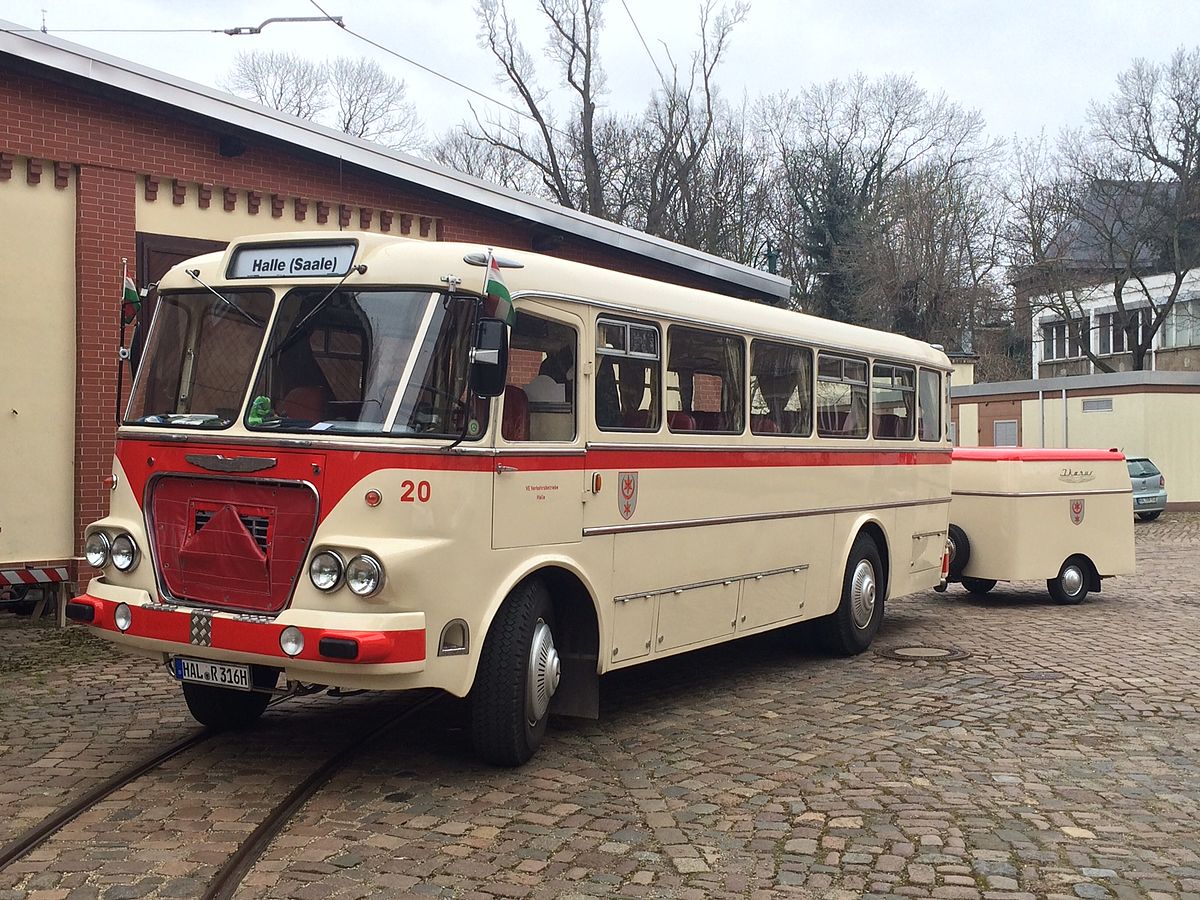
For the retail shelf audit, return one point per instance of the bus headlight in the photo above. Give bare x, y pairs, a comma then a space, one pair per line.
325, 570
124, 552
364, 575
291, 641
96, 548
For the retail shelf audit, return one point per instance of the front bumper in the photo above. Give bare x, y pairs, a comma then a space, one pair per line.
385, 644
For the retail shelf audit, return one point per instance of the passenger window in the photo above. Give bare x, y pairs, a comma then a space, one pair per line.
931, 405
842, 400
539, 399
705, 371
627, 376
780, 389
893, 402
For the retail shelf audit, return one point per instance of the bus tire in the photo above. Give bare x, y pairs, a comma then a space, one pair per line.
519, 671
960, 551
850, 630
978, 586
1149, 516
1070, 586
224, 709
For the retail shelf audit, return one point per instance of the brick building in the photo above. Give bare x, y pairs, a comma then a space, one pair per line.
103, 160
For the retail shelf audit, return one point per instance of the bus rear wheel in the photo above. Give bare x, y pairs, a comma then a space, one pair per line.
853, 626
224, 709
519, 671
978, 586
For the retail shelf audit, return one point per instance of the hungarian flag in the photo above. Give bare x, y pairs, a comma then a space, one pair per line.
497, 293
130, 302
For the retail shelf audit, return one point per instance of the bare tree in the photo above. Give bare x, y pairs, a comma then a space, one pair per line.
371, 104
354, 96
282, 81
631, 172
472, 156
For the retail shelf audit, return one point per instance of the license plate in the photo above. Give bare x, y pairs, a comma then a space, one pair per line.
217, 674
1145, 501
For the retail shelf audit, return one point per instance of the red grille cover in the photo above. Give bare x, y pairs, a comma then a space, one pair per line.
208, 540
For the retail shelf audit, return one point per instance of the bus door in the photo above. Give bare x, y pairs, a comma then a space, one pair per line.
539, 476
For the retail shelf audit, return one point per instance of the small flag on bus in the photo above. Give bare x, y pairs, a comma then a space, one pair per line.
496, 291
131, 302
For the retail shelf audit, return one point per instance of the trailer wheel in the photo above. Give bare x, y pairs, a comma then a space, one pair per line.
853, 625
1149, 516
519, 671
978, 586
1070, 586
960, 551
224, 709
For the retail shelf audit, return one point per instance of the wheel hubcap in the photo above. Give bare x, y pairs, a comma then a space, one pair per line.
545, 670
1072, 580
862, 594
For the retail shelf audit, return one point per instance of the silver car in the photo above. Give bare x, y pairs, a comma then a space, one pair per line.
1149, 488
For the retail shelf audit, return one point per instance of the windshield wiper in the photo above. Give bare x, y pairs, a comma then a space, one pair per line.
195, 275
288, 338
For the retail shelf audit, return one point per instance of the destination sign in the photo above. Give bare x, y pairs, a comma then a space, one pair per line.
292, 261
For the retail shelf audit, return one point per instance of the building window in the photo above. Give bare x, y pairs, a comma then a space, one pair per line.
1114, 337
1100, 404
1064, 340
1004, 433
1182, 325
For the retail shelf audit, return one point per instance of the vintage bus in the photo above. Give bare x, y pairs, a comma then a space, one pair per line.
339, 468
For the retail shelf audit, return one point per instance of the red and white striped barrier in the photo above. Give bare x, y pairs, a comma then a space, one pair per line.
31, 576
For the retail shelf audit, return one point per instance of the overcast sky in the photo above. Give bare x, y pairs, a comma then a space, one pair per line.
1025, 64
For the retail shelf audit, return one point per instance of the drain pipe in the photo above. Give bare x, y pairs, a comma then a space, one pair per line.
1042, 411
1066, 421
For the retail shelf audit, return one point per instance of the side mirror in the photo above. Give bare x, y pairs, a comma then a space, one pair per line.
489, 358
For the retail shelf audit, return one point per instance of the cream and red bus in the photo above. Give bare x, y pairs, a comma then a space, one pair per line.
339, 468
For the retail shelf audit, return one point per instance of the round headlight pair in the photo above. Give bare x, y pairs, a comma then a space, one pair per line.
121, 551
363, 574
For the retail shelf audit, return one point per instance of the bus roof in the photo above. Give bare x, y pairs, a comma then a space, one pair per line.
398, 260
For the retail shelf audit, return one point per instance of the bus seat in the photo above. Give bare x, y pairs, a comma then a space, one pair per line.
306, 402
678, 420
638, 418
515, 424
763, 424
707, 420
887, 425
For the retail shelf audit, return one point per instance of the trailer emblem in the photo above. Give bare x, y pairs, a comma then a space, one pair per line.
1077, 510
201, 631
627, 493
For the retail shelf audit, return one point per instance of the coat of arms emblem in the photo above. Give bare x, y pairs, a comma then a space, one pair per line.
627, 493
1077, 510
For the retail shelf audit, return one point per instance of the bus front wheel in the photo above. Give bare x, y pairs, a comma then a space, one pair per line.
519, 671
853, 626
224, 709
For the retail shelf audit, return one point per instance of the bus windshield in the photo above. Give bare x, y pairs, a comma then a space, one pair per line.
199, 358
337, 362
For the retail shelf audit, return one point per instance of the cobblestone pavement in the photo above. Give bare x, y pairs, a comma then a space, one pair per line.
1061, 758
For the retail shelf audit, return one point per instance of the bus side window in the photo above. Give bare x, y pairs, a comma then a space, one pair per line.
843, 401
893, 401
930, 405
780, 389
627, 376
539, 399
705, 374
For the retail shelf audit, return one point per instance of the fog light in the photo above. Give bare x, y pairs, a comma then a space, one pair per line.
364, 575
95, 549
291, 641
123, 616
124, 552
325, 570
